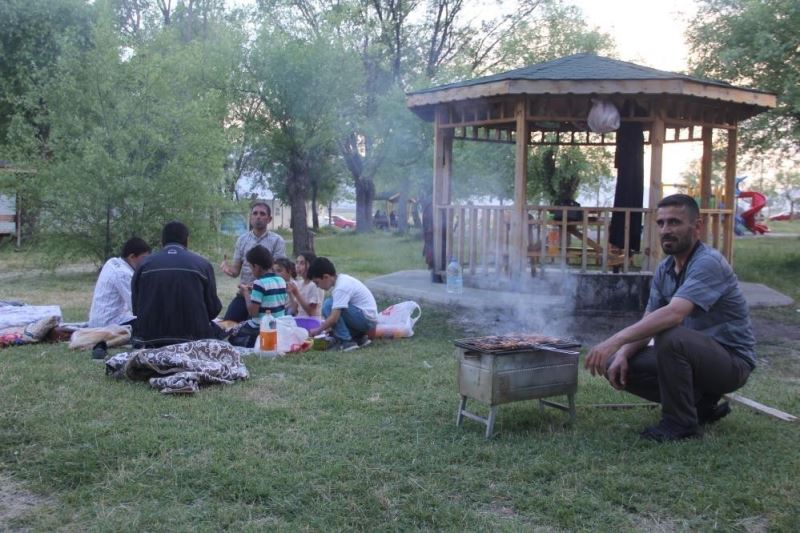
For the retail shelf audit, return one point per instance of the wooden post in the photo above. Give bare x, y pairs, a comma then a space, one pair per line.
473, 239
442, 168
518, 220
730, 196
657, 132
705, 177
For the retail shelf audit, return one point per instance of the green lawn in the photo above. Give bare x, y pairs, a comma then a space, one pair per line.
773, 261
367, 440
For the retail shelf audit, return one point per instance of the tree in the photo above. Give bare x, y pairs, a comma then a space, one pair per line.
31, 40
137, 20
401, 45
30, 43
754, 42
300, 86
787, 185
136, 140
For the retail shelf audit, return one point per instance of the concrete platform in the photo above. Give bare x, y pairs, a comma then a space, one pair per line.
417, 285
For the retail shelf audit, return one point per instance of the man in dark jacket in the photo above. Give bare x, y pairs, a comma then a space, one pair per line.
174, 294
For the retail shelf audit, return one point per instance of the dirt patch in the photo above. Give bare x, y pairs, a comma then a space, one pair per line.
16, 502
770, 330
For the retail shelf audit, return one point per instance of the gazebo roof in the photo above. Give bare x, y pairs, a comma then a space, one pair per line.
588, 74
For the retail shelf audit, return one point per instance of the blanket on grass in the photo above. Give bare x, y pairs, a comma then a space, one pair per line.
15, 315
180, 368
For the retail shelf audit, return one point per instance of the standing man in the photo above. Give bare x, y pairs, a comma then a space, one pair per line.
111, 301
260, 217
174, 294
698, 317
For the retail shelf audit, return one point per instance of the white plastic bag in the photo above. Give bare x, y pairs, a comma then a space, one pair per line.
290, 337
603, 117
397, 321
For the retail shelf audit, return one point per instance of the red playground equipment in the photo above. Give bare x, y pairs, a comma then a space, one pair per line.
748, 217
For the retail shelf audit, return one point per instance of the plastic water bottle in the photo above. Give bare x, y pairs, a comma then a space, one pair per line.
455, 279
268, 334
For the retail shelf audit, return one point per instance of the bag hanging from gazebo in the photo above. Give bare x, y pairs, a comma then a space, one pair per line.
603, 117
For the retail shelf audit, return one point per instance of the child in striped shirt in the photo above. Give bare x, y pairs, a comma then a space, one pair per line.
269, 289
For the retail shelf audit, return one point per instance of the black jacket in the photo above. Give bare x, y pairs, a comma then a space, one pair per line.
174, 295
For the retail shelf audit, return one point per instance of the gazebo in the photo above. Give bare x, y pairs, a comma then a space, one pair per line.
548, 104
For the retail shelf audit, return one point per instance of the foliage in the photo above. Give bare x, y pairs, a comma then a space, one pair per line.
31, 40
551, 30
140, 20
136, 141
30, 43
401, 46
786, 186
554, 173
483, 169
754, 42
557, 174
300, 93
691, 175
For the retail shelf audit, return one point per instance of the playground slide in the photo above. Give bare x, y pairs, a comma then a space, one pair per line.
757, 203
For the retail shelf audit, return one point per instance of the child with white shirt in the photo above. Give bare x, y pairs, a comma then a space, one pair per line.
350, 311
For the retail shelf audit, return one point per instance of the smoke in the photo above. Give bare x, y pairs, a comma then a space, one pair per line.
544, 303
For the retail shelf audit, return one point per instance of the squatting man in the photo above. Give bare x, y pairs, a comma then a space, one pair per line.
698, 318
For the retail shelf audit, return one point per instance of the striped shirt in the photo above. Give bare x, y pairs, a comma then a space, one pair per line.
111, 302
270, 294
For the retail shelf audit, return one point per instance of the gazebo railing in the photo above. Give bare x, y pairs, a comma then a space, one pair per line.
480, 237
580, 236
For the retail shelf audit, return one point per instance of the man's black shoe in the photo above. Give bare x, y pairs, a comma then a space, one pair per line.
713, 414
100, 350
667, 432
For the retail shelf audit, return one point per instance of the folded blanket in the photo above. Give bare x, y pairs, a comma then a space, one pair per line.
19, 316
181, 368
33, 332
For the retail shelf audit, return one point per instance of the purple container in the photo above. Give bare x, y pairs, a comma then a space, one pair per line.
306, 322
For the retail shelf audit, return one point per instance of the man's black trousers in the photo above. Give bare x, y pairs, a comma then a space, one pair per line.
685, 371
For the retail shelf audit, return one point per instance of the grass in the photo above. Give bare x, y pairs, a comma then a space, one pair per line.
367, 441
773, 261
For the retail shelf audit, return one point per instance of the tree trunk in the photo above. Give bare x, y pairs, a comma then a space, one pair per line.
297, 185
301, 240
365, 192
402, 210
415, 214
107, 248
365, 187
314, 210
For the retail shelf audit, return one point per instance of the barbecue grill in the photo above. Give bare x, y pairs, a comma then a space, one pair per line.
509, 368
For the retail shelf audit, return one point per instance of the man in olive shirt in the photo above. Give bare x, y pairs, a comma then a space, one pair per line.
698, 317
260, 217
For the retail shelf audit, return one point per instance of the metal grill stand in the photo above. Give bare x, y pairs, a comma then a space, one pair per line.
498, 378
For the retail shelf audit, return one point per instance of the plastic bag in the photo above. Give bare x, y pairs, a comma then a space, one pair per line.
397, 321
603, 117
290, 337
